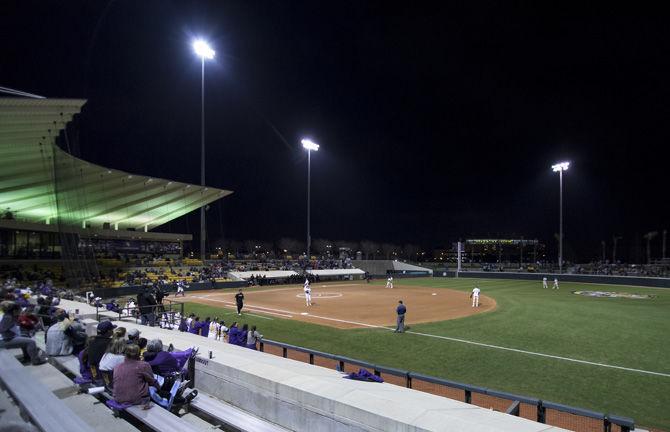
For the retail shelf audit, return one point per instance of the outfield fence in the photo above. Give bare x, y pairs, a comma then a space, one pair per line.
554, 414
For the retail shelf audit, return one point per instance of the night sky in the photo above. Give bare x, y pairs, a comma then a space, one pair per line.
436, 122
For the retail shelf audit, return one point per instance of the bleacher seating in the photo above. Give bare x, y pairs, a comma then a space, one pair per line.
156, 418
45, 410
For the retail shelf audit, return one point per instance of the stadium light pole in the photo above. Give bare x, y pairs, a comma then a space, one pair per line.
204, 51
559, 168
310, 146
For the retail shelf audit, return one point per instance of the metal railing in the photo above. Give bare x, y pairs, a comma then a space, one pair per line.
169, 309
555, 414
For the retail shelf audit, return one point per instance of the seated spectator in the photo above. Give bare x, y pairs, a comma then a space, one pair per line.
58, 342
132, 379
252, 337
114, 355
97, 346
10, 334
133, 336
28, 321
142, 343
119, 333
77, 334
113, 306
162, 362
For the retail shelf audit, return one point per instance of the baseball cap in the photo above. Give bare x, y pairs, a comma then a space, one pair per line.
133, 333
105, 326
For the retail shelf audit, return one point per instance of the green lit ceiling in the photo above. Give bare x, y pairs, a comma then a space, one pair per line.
39, 182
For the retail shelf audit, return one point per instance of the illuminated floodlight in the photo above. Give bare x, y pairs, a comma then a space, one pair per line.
309, 144
561, 166
203, 49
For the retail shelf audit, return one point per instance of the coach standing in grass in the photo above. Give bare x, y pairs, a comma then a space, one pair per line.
400, 322
239, 301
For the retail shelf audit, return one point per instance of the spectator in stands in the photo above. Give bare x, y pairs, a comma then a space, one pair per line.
28, 321
97, 347
195, 326
77, 334
133, 336
132, 379
119, 333
233, 334
162, 363
252, 337
58, 342
113, 306
10, 334
114, 355
242, 336
183, 325
142, 343
221, 330
204, 327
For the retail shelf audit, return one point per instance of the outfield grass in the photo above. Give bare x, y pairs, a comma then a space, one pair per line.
623, 332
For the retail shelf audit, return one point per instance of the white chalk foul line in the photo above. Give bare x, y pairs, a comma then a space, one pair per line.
502, 348
481, 344
253, 308
538, 354
258, 316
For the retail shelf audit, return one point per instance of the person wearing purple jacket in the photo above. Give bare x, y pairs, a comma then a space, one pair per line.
204, 327
233, 334
195, 326
162, 363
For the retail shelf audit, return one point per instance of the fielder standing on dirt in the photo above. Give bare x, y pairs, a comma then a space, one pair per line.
308, 293
474, 295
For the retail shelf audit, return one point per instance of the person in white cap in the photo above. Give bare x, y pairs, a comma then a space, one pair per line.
389, 282
555, 284
544, 282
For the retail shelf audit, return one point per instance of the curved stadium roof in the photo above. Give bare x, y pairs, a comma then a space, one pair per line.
41, 183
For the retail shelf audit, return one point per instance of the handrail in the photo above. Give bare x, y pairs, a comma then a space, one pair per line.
626, 424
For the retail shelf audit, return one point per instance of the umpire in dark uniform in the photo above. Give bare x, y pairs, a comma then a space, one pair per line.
400, 322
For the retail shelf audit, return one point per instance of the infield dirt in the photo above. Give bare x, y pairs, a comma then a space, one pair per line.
349, 305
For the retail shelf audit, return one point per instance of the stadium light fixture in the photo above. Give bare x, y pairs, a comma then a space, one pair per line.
204, 51
309, 144
559, 168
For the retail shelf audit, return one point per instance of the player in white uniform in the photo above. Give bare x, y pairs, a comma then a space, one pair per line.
308, 293
544, 282
389, 282
555, 284
475, 296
